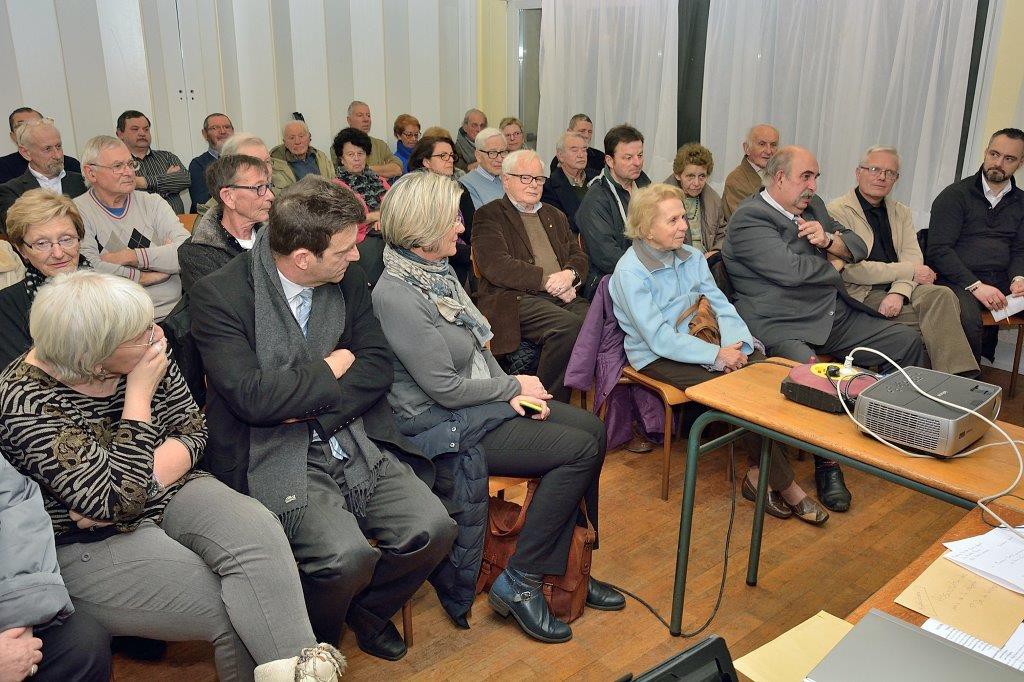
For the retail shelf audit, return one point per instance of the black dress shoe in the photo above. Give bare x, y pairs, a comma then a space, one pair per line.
604, 598
386, 644
521, 595
832, 490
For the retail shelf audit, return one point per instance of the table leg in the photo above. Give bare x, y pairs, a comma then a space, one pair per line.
686, 521
760, 500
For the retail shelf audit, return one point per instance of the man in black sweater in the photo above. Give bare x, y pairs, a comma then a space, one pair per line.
976, 237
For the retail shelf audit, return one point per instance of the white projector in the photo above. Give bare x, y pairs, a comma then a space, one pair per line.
894, 410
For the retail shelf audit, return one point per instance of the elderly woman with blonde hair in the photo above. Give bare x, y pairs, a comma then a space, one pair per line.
453, 399
682, 330
46, 229
98, 416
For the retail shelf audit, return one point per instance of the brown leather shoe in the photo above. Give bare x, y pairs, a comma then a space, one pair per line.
774, 505
809, 511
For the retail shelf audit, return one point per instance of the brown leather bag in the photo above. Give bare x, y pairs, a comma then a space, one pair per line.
704, 324
565, 594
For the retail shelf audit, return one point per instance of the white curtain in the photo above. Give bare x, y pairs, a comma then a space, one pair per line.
615, 61
838, 77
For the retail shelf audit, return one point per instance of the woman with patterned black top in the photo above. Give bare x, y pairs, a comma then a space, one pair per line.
46, 230
100, 418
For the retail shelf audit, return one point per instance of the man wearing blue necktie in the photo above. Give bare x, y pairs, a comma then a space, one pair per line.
298, 371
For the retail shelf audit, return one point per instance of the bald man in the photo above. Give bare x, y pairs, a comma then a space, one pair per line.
748, 177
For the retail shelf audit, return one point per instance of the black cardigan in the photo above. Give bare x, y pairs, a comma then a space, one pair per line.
14, 336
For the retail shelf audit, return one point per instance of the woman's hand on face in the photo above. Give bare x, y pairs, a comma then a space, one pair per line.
531, 386
150, 369
732, 357
541, 416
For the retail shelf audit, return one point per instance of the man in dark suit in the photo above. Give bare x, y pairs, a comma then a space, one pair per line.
14, 164
39, 144
567, 185
298, 370
530, 268
784, 254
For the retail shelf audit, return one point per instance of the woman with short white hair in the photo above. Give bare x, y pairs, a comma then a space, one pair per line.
451, 397
99, 417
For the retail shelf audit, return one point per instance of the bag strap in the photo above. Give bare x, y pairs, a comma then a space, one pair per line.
517, 525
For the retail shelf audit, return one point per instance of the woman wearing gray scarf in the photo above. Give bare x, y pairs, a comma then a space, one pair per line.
444, 369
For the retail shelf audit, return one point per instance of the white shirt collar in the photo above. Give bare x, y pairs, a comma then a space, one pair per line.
776, 205
52, 184
992, 196
523, 208
759, 171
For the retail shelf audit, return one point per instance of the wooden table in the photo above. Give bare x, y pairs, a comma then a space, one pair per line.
969, 526
750, 399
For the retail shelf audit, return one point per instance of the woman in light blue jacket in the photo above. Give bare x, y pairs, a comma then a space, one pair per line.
655, 287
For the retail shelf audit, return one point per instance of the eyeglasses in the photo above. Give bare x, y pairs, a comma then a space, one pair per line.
527, 179
494, 155
875, 171
150, 342
260, 190
118, 167
66, 243
444, 156
411, 134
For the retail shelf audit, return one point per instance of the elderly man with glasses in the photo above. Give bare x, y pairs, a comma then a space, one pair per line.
530, 267
129, 233
485, 182
893, 279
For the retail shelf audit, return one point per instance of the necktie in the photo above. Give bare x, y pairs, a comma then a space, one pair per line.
302, 317
303, 308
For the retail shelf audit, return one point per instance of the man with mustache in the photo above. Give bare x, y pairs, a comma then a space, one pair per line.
784, 254
976, 238
159, 172
40, 145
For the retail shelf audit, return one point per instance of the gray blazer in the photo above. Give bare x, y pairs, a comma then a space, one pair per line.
785, 288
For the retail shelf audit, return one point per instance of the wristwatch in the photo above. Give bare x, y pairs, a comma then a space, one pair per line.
576, 281
830, 240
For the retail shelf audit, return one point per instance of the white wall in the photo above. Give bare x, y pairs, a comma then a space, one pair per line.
83, 62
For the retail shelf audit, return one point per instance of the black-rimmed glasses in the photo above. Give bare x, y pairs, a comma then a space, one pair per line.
527, 179
261, 190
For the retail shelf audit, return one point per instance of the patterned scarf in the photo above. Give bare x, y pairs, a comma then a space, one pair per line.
367, 184
438, 281
35, 279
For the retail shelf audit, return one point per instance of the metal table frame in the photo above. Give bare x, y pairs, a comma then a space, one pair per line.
694, 450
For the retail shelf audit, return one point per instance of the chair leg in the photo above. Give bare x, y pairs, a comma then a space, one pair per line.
1016, 362
407, 622
666, 461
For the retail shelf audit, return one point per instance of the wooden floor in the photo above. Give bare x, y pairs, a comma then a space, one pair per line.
803, 570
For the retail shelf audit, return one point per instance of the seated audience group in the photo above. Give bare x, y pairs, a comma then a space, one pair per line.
380, 331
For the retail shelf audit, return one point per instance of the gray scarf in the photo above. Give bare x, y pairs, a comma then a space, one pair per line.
438, 281
277, 454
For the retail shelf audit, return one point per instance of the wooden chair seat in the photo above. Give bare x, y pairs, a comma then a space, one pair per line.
187, 220
1009, 323
671, 397
497, 485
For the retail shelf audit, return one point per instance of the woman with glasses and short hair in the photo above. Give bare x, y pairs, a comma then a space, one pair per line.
436, 154
242, 196
46, 230
100, 418
512, 128
407, 134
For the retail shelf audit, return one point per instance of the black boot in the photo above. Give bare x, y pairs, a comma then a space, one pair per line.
520, 594
832, 490
604, 598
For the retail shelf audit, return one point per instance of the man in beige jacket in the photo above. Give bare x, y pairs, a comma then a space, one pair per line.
747, 178
893, 278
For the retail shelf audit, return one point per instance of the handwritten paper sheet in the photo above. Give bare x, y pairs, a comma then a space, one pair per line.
965, 601
1012, 653
997, 555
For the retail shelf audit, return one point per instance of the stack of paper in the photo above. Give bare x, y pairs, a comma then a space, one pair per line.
791, 655
997, 555
1012, 653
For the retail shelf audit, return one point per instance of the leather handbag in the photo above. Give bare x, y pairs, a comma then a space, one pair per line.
704, 324
565, 594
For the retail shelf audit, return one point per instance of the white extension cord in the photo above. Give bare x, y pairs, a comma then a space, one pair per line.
847, 373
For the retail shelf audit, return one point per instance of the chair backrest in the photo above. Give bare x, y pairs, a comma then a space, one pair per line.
187, 220
707, 661
717, 266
